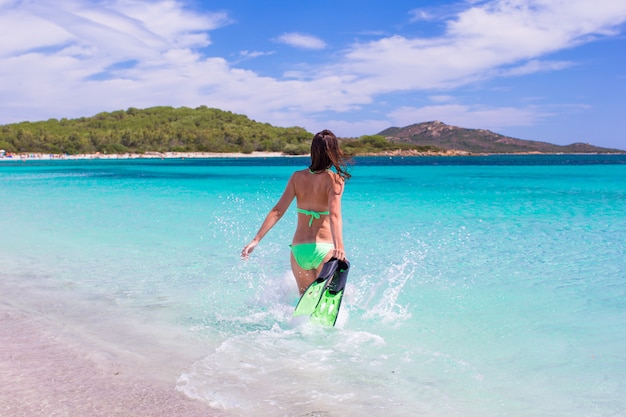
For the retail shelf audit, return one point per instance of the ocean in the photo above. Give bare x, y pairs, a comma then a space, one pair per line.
482, 286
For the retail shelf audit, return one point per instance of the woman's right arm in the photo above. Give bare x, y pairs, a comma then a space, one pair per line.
336, 222
272, 217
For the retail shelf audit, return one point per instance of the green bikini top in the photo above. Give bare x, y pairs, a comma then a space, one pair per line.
313, 214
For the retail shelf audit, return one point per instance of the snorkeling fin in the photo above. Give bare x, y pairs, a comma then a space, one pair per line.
327, 308
314, 292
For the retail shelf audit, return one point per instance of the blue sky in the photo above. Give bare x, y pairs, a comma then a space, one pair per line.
549, 70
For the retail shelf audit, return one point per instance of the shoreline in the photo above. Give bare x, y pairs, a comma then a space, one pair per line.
48, 370
32, 156
89, 357
35, 156
29, 156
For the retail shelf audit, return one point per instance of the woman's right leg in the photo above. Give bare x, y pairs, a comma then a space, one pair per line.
304, 277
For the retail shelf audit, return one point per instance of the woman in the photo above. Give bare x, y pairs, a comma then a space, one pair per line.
318, 192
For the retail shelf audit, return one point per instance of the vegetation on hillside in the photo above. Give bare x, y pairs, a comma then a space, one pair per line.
168, 129
157, 129
436, 133
203, 129
377, 144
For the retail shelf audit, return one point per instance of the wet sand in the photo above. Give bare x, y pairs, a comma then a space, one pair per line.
47, 373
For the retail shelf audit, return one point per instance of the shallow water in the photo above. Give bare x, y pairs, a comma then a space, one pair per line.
480, 286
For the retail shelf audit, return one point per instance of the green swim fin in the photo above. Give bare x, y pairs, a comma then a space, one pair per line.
327, 308
314, 292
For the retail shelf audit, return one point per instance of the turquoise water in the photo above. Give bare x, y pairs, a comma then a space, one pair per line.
480, 286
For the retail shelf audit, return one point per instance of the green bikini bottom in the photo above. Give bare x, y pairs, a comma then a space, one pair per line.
310, 255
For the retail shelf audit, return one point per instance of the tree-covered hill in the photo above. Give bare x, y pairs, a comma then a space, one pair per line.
156, 129
168, 129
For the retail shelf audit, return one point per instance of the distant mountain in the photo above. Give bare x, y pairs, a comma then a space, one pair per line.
447, 137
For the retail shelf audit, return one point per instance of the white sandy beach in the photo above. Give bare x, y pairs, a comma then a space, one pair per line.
46, 372
190, 155
147, 155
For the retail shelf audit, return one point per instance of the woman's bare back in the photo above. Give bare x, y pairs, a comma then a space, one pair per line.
314, 192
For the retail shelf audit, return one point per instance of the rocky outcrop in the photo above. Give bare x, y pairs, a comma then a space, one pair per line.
477, 141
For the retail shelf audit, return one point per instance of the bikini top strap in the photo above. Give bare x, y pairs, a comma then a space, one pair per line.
313, 214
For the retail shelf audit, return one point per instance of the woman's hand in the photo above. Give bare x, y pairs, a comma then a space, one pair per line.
339, 254
247, 250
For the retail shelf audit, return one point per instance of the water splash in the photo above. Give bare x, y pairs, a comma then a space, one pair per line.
305, 369
386, 306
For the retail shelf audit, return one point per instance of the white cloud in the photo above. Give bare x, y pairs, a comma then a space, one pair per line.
535, 66
254, 54
479, 41
467, 116
71, 62
299, 40
18, 26
441, 98
420, 15
358, 128
86, 57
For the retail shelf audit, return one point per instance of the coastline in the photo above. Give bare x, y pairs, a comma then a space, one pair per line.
206, 155
89, 357
50, 370
30, 156
199, 155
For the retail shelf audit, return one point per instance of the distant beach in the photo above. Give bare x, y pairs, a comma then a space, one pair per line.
148, 155
29, 156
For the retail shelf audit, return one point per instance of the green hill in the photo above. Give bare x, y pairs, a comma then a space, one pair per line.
156, 129
474, 141
168, 129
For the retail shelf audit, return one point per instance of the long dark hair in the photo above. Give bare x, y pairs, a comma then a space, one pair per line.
326, 153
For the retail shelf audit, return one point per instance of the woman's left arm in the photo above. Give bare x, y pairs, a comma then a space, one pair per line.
275, 214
